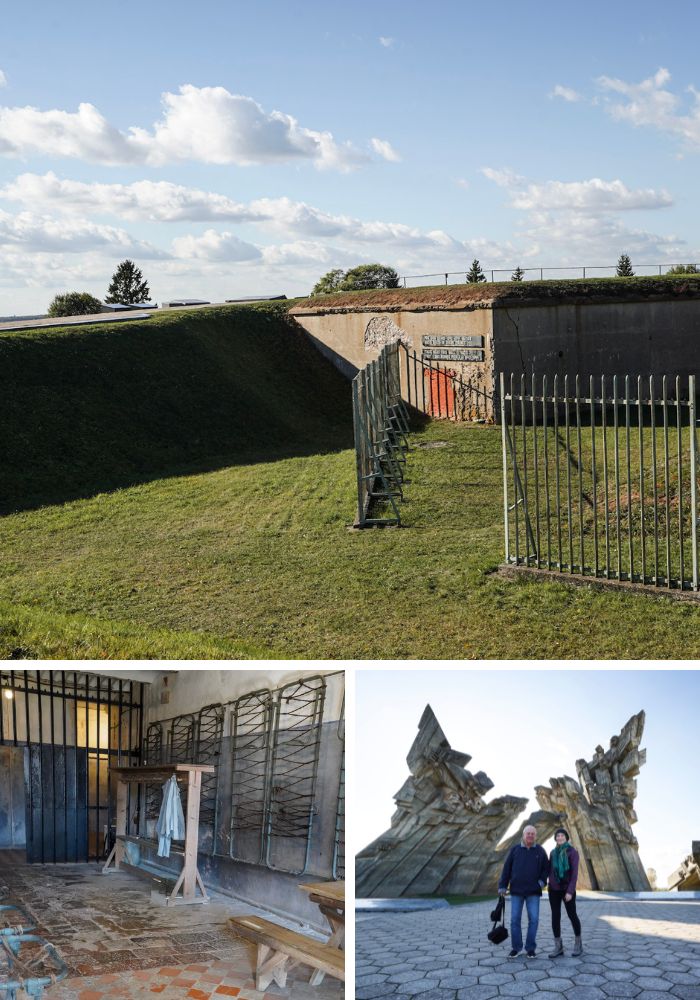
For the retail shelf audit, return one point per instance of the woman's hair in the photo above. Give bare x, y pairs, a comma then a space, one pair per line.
561, 830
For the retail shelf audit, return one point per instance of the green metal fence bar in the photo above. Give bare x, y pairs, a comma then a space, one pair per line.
647, 476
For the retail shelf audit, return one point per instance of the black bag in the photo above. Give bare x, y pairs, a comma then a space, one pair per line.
498, 934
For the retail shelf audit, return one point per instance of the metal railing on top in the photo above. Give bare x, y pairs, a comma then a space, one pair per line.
600, 477
542, 273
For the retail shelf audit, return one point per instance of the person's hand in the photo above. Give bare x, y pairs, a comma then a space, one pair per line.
501, 892
568, 897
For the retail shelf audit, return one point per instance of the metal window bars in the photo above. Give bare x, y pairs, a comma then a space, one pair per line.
251, 729
210, 731
293, 774
339, 838
380, 420
600, 477
275, 739
74, 726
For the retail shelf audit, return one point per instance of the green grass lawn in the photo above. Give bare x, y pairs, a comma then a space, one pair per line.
255, 558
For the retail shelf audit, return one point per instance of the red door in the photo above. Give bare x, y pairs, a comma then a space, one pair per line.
442, 392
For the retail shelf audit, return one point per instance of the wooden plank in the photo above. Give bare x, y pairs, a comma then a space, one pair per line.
194, 787
317, 954
332, 891
146, 772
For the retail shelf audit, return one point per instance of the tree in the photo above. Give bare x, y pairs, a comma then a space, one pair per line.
518, 274
128, 286
683, 269
624, 267
74, 304
475, 274
330, 282
370, 276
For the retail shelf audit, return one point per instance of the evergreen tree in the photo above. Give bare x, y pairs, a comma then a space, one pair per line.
683, 269
475, 274
624, 267
128, 286
518, 274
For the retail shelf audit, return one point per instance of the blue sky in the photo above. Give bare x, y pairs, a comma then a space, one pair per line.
524, 727
236, 149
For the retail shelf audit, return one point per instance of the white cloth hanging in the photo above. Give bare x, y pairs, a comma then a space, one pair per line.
171, 822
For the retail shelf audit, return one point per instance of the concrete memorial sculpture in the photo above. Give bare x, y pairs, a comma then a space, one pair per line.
442, 833
445, 839
598, 811
687, 876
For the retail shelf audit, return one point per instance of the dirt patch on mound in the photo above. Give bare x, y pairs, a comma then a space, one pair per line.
502, 293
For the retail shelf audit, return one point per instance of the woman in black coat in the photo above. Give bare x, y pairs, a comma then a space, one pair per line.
563, 873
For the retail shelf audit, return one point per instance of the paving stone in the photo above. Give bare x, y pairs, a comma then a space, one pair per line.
585, 993
370, 980
370, 992
439, 994
409, 976
620, 989
458, 982
419, 986
495, 979
555, 985
517, 989
478, 993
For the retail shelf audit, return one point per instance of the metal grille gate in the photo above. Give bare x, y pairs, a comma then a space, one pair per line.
73, 727
600, 477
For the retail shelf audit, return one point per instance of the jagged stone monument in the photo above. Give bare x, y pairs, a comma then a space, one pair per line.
598, 811
687, 875
442, 834
445, 839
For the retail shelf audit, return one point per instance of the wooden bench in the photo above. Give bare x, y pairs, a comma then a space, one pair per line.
280, 949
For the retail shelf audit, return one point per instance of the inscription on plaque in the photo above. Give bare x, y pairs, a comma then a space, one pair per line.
436, 354
452, 341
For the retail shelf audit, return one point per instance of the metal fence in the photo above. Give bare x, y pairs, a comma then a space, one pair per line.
442, 392
380, 420
600, 477
575, 271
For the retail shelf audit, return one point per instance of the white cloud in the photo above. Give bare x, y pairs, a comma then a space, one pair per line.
156, 201
651, 104
3, 79
215, 246
566, 93
205, 124
46, 234
385, 150
387, 42
505, 177
594, 195
463, 183
588, 197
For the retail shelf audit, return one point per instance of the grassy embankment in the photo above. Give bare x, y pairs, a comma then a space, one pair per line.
182, 488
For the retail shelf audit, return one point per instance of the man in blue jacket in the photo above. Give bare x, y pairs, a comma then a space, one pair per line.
526, 870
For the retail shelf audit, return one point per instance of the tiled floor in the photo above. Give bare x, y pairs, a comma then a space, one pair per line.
117, 943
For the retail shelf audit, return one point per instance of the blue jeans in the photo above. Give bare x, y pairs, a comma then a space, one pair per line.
533, 918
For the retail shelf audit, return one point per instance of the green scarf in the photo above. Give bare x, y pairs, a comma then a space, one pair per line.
560, 861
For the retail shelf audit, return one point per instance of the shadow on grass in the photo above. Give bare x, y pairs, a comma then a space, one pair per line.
95, 409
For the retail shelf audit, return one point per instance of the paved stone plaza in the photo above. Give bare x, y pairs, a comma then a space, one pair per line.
646, 949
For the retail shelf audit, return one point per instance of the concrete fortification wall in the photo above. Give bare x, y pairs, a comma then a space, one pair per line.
612, 327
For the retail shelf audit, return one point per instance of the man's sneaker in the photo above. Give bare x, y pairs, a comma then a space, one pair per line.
514, 953
532, 953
